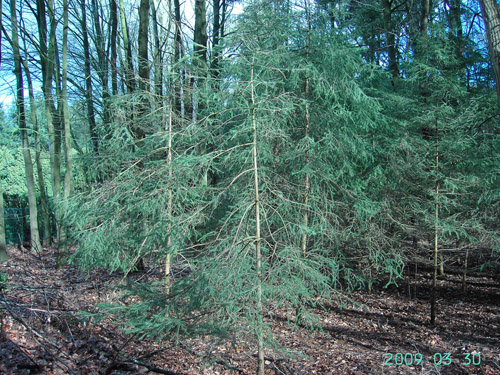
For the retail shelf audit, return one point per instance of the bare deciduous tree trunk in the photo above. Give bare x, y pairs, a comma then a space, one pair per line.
41, 183
21, 118
68, 175
88, 81
129, 66
178, 54
142, 43
200, 32
491, 16
3, 244
215, 39
113, 35
200, 52
48, 58
102, 59
390, 38
158, 55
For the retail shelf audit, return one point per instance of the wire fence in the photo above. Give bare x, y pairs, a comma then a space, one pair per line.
16, 224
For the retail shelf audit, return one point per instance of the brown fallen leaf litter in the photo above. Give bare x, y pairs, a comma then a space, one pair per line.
41, 332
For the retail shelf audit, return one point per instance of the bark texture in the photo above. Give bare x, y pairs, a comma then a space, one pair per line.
390, 38
491, 16
21, 119
143, 63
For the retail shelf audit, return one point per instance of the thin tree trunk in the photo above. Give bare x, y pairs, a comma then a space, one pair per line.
491, 16
170, 199
143, 70
179, 94
88, 81
68, 175
223, 20
200, 52
102, 59
436, 227
258, 252
216, 39
59, 125
142, 41
390, 39
158, 59
305, 202
424, 15
464, 274
441, 263
456, 26
3, 244
41, 182
113, 35
21, 118
129, 67
47, 57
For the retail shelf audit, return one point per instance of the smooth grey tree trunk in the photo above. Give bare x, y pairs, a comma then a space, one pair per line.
21, 118
39, 169
3, 245
47, 59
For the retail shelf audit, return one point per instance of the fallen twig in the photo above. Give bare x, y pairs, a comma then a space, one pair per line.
22, 351
150, 367
35, 333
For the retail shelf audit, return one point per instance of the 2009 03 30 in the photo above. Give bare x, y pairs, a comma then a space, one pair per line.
440, 359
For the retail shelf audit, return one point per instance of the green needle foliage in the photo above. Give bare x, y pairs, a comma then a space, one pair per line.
341, 160
213, 226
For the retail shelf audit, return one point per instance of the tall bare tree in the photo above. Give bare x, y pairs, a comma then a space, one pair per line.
88, 79
48, 53
127, 45
142, 42
21, 119
491, 16
178, 55
216, 37
200, 32
390, 38
47, 231
3, 244
305, 201
68, 159
200, 50
158, 53
102, 58
113, 24
4, 256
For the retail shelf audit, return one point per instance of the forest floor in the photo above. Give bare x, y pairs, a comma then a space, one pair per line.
43, 333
